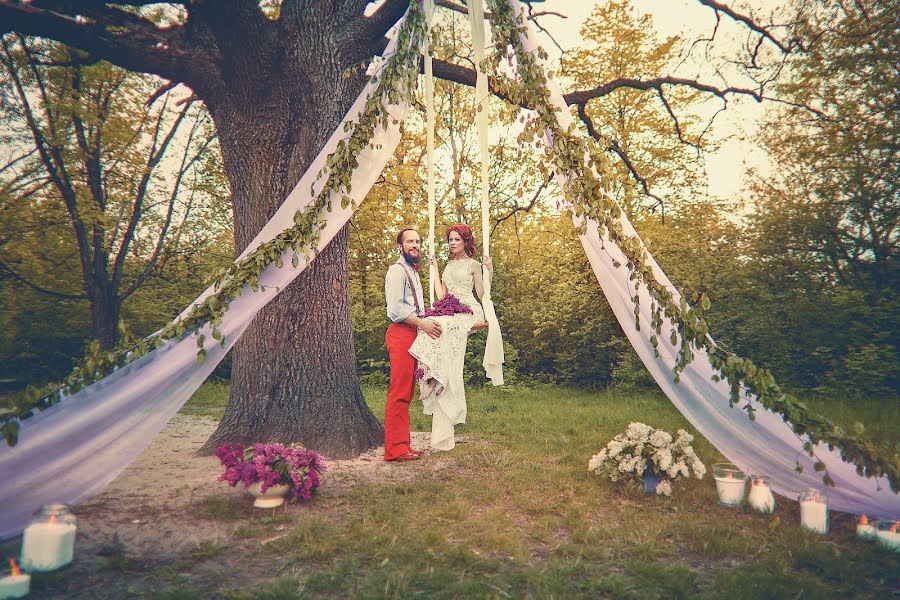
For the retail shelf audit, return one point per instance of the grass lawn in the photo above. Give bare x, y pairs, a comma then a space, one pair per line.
514, 513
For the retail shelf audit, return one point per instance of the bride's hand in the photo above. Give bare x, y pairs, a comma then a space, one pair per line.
432, 261
488, 264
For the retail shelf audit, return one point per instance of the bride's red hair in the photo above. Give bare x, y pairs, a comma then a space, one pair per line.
465, 232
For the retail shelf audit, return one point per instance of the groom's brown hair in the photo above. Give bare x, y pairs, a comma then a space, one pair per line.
400, 235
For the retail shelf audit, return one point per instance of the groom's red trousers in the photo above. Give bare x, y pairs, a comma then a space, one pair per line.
399, 337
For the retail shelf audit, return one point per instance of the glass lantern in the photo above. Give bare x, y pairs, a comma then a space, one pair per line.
730, 482
888, 534
48, 543
760, 497
814, 510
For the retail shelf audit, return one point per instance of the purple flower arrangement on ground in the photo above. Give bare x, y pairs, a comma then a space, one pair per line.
271, 464
447, 306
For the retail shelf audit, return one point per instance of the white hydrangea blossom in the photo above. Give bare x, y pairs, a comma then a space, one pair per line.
660, 438
615, 447
664, 488
639, 432
630, 453
597, 460
663, 458
698, 467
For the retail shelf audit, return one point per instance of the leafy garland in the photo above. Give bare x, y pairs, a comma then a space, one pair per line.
583, 164
396, 81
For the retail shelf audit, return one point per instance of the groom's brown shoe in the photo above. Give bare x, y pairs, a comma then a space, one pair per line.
407, 456
416, 452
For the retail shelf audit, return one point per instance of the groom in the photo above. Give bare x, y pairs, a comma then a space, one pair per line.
405, 307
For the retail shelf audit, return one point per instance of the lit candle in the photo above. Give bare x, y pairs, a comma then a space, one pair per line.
760, 496
16, 584
865, 528
888, 536
813, 511
730, 489
48, 546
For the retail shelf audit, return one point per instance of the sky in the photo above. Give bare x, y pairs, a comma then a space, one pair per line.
726, 167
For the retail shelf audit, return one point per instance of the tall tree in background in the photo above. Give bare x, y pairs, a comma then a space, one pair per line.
827, 219
654, 133
836, 180
86, 189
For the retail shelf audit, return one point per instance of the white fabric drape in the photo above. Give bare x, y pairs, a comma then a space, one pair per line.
766, 446
493, 349
72, 450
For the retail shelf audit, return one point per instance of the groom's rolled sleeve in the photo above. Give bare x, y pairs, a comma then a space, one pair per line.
398, 307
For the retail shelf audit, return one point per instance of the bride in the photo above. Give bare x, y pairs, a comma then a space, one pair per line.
441, 359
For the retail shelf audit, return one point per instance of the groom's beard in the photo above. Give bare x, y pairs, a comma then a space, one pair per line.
410, 259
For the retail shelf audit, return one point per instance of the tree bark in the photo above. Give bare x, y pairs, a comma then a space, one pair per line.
105, 307
294, 375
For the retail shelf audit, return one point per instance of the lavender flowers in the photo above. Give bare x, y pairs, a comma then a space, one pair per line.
447, 306
272, 464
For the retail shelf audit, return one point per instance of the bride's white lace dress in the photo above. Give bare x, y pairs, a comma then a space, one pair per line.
443, 358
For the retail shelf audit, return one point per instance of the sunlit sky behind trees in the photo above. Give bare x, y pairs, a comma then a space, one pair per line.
692, 21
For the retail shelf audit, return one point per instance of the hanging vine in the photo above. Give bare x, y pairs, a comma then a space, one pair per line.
585, 168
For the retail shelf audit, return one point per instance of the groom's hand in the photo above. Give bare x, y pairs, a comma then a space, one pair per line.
432, 328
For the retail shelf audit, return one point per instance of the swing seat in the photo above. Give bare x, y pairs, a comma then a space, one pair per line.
479, 325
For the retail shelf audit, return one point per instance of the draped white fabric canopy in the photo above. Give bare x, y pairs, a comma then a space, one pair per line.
71, 451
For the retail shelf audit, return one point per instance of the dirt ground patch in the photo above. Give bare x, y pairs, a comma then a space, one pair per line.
149, 514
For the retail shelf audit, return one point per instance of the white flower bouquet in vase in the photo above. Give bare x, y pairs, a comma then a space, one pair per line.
651, 455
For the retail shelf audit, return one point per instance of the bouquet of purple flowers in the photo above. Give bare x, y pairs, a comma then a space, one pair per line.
271, 464
447, 306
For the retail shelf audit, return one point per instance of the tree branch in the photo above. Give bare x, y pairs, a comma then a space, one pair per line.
7, 272
182, 169
518, 209
460, 8
141, 192
50, 154
785, 47
613, 146
112, 34
377, 25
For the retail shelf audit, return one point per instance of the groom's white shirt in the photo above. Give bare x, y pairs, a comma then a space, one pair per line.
401, 300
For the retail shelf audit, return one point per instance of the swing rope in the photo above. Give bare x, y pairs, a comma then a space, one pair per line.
493, 353
429, 145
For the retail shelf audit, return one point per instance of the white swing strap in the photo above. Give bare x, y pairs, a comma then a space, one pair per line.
493, 352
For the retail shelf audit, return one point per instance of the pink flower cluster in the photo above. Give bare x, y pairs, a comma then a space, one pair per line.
447, 306
272, 464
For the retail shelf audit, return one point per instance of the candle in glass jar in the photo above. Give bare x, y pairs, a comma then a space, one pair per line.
865, 528
730, 490
16, 584
813, 511
761, 497
48, 546
888, 536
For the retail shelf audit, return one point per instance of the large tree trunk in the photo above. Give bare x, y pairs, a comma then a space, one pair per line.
104, 314
294, 374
